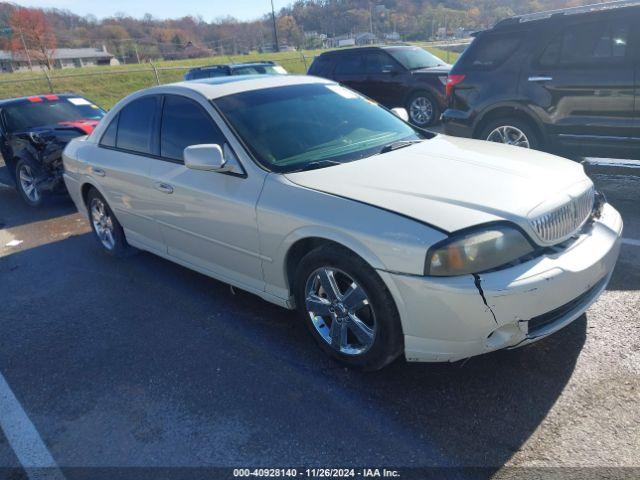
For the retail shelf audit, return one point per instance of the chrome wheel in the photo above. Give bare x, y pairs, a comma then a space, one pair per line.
28, 184
421, 110
509, 135
340, 311
102, 223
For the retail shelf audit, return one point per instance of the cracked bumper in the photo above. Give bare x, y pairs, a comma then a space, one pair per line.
445, 319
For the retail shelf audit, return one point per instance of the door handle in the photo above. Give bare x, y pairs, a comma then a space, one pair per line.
540, 79
98, 171
164, 188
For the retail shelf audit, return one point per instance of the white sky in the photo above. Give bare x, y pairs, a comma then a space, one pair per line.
209, 10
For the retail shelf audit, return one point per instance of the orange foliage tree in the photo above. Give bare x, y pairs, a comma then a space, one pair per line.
33, 33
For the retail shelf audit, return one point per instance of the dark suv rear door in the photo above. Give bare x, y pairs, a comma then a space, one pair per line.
349, 70
583, 80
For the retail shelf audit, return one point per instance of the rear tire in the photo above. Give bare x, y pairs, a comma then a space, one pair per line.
26, 183
512, 131
354, 319
106, 228
423, 110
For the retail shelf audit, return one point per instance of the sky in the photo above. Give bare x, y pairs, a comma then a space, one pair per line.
208, 9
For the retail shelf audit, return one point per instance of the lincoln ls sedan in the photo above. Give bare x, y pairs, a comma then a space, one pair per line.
387, 239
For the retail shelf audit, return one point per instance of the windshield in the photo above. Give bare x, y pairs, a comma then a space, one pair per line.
305, 126
415, 57
33, 114
260, 70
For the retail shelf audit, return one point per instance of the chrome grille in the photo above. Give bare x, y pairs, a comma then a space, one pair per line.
563, 222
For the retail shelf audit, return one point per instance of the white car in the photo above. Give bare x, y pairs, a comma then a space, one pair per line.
386, 238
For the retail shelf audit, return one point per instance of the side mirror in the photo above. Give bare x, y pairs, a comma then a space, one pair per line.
208, 158
401, 113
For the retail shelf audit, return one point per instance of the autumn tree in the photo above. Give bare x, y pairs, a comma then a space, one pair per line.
33, 33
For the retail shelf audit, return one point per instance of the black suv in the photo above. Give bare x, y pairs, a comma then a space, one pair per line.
248, 68
566, 81
395, 76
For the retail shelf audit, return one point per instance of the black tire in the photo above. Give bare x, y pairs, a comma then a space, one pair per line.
533, 138
120, 247
388, 339
34, 197
434, 110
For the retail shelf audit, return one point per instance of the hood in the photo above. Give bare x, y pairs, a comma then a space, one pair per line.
63, 131
454, 183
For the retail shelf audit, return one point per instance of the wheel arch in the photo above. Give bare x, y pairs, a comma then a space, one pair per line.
298, 247
509, 111
420, 89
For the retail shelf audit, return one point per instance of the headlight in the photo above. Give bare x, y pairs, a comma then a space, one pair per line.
477, 251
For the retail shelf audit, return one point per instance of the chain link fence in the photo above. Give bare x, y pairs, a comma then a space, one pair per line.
108, 85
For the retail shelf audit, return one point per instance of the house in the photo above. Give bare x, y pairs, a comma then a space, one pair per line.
189, 50
392, 37
362, 38
61, 58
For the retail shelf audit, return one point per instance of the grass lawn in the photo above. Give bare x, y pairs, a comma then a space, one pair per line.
107, 85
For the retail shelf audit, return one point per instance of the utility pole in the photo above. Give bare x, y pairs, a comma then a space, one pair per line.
371, 18
275, 28
135, 47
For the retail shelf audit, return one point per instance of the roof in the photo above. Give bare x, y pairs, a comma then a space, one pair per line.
368, 48
584, 9
12, 101
213, 88
67, 53
61, 54
234, 65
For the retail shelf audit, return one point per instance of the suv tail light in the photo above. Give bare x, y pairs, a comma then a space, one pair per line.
452, 81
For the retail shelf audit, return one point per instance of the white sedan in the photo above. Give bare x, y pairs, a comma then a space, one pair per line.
386, 238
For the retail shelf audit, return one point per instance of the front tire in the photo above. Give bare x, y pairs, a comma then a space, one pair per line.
423, 109
347, 308
27, 185
511, 131
106, 228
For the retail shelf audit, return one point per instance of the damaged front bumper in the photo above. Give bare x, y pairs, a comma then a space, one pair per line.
449, 319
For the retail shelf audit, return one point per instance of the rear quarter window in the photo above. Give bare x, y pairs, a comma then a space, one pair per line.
489, 51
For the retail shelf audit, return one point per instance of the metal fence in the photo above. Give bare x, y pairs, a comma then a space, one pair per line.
107, 85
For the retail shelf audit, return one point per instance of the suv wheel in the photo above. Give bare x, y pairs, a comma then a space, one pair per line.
423, 109
26, 182
348, 309
511, 131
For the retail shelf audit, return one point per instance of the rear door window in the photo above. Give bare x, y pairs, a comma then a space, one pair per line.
590, 44
136, 125
489, 51
349, 65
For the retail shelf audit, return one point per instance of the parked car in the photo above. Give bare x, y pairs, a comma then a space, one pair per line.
557, 81
395, 76
386, 238
34, 131
249, 68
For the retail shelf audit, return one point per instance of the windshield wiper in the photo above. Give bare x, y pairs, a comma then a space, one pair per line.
317, 165
398, 145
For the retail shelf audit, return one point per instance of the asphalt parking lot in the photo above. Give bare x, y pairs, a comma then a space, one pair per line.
142, 363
